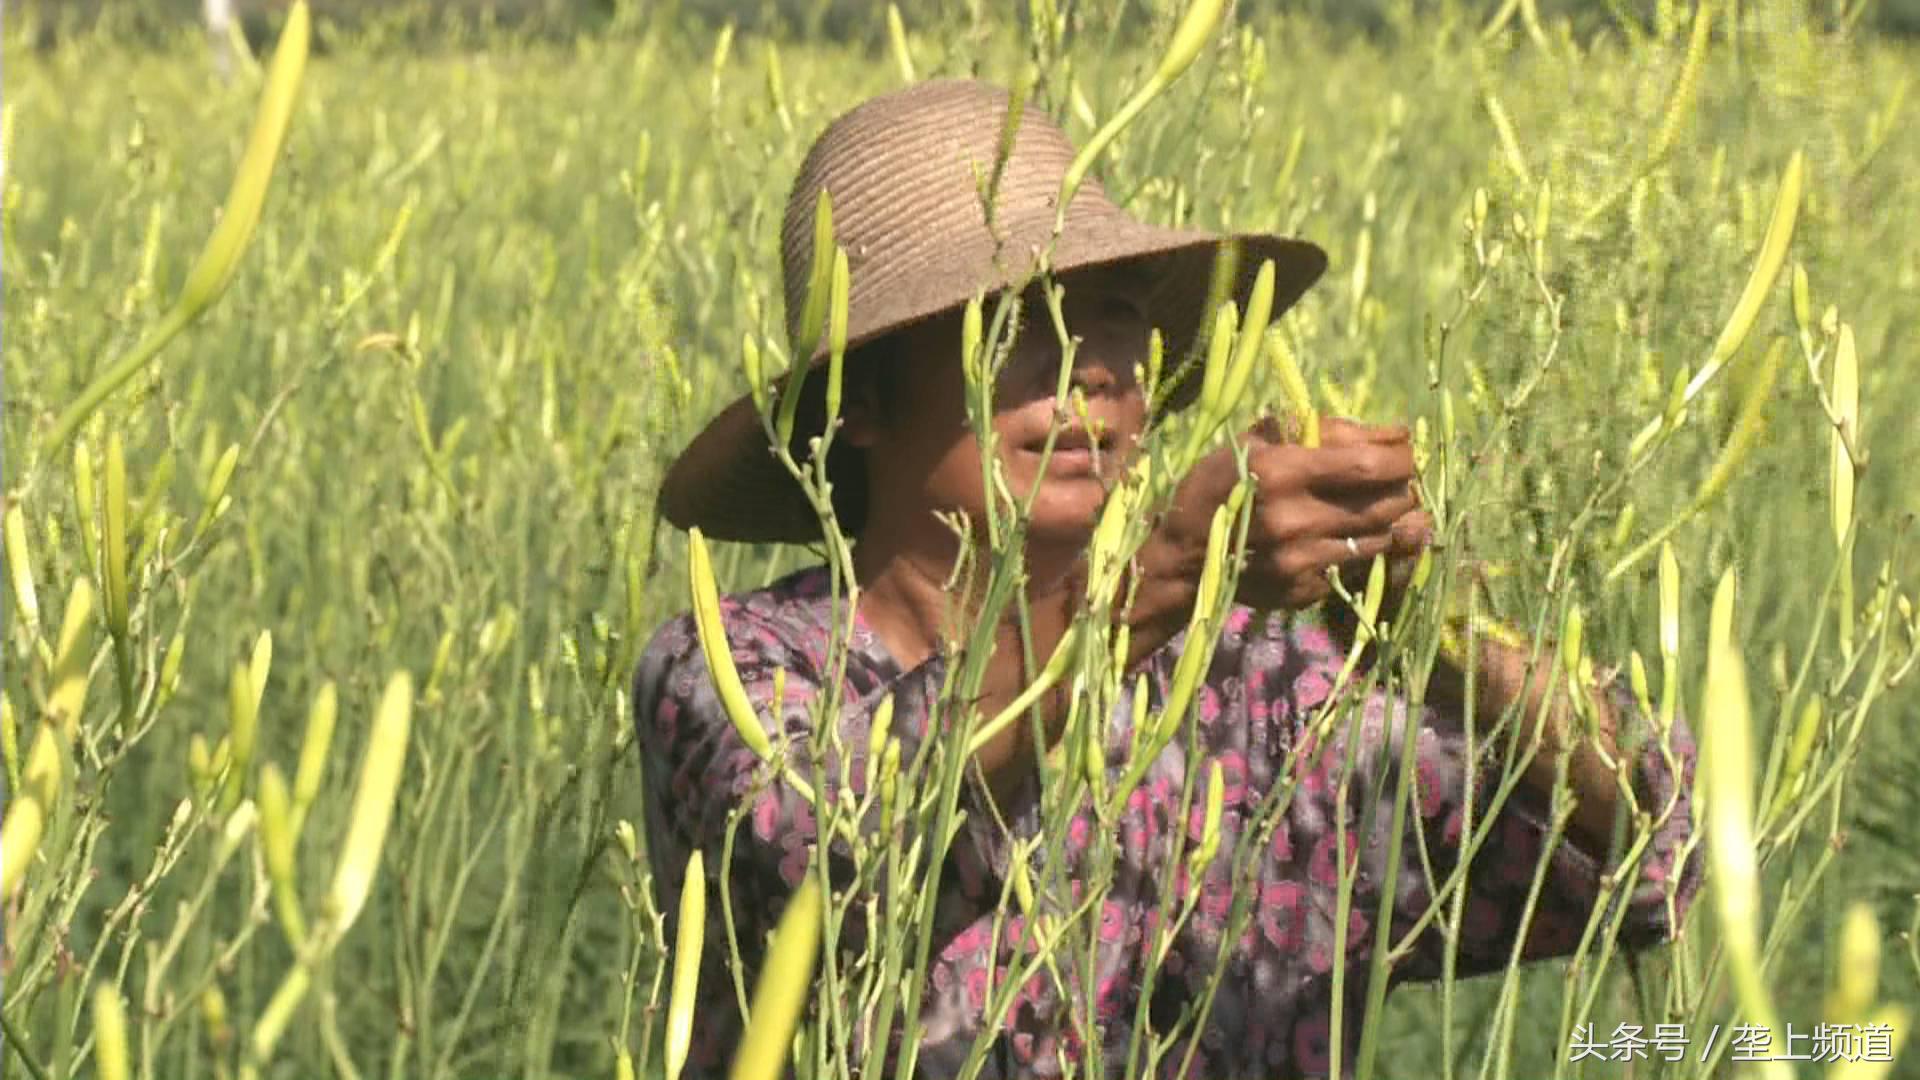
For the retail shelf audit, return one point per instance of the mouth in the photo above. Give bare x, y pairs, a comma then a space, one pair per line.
1075, 449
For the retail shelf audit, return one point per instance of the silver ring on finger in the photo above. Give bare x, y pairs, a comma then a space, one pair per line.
1353, 548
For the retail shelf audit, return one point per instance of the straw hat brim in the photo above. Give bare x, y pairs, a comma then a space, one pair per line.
729, 483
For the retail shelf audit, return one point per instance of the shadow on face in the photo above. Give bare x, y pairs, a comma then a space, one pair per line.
906, 412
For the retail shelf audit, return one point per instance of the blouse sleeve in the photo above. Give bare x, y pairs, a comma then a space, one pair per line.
1507, 842
699, 772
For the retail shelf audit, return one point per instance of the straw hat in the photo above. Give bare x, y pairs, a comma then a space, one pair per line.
900, 171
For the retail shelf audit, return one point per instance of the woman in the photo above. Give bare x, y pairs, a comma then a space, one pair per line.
902, 172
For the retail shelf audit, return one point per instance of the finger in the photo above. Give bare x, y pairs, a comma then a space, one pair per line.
1341, 431
1412, 533
1358, 466
1306, 517
1312, 558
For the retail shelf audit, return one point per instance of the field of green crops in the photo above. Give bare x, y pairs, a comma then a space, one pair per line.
496, 284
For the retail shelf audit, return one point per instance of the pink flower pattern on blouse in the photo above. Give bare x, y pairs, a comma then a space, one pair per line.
1272, 1013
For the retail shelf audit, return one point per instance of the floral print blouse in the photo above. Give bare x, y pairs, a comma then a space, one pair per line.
1272, 1011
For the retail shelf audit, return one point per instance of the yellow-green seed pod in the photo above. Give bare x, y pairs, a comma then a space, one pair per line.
199, 765
756, 377
10, 741
629, 840
718, 653
84, 506
315, 748
880, 730
813, 312
170, 664
1253, 329
114, 531
688, 942
44, 768
20, 572
897, 36
1022, 884
1196, 28
1726, 768
781, 991
1846, 406
213, 1013
1669, 603
623, 1065
1300, 400
1480, 210
1856, 968
1890, 1020
71, 655
970, 336
1623, 529
777, 89
380, 773
1570, 637
1210, 824
19, 841
889, 777
277, 846
837, 333
1766, 268
1805, 732
216, 498
242, 729
109, 1034
1637, 678
1830, 321
1214, 376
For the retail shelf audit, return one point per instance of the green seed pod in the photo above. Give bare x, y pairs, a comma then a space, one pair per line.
84, 506
20, 572
623, 1065
242, 729
114, 530
315, 747
718, 653
1196, 28
897, 36
1800, 749
1253, 329
782, 989
837, 334
1623, 529
813, 313
1766, 268
380, 773
1480, 209
688, 942
277, 846
109, 1034
1210, 824
259, 666
214, 269
629, 840
1214, 377
1570, 635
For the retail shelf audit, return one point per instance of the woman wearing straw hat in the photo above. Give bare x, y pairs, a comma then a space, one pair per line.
900, 171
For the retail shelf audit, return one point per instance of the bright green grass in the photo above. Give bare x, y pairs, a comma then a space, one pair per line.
590, 237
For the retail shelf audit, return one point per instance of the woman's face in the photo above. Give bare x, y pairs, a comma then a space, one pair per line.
922, 455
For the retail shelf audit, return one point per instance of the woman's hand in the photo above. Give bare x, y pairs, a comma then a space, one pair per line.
1314, 508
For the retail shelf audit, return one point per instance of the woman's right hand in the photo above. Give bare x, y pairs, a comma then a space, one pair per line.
1314, 508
